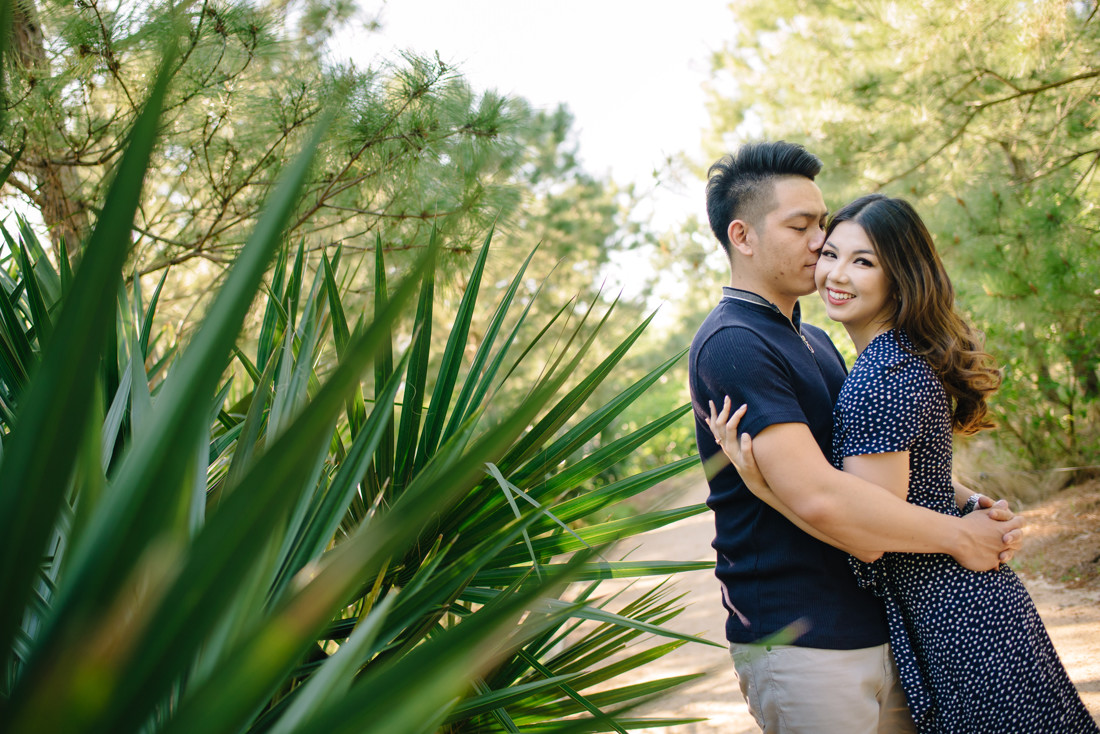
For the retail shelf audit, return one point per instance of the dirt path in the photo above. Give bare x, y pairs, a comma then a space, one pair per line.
1072, 617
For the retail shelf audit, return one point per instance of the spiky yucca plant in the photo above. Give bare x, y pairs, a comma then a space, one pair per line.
300, 557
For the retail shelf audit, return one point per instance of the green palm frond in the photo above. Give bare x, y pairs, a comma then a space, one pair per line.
277, 531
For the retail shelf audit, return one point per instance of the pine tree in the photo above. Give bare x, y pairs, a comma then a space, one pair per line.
985, 116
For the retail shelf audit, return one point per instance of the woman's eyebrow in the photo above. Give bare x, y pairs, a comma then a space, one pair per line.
864, 251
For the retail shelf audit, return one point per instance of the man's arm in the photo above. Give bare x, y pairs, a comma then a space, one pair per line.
759, 487
861, 515
769, 498
739, 453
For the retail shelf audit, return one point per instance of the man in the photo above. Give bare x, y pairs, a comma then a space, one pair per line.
820, 662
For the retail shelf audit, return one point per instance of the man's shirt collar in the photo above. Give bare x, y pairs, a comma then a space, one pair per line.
742, 295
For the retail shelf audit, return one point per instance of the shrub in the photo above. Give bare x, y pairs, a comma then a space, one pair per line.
305, 558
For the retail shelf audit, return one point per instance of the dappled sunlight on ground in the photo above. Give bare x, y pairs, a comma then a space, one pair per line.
1072, 618
714, 696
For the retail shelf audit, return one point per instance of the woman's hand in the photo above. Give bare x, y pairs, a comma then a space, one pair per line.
724, 428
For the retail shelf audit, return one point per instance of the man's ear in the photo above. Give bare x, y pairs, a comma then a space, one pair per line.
742, 236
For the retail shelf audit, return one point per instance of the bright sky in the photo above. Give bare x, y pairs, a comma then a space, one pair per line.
629, 70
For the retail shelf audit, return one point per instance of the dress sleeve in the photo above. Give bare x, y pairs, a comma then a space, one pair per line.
878, 411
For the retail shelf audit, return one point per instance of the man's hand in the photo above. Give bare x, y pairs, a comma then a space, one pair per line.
988, 538
1000, 511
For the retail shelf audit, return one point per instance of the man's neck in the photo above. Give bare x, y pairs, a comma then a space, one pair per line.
784, 304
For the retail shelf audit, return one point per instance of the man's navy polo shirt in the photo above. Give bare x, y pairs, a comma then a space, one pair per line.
774, 575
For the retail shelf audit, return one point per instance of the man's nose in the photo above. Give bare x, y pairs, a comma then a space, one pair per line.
817, 242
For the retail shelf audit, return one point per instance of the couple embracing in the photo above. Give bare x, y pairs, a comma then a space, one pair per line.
865, 589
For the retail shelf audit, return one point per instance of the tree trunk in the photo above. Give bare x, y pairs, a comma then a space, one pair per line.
56, 185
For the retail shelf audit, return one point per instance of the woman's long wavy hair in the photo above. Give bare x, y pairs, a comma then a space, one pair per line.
924, 305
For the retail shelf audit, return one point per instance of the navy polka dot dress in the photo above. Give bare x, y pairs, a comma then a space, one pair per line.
973, 655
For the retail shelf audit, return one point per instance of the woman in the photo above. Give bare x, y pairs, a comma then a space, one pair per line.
971, 650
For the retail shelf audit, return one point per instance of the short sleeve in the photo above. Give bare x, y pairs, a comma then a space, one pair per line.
878, 412
739, 363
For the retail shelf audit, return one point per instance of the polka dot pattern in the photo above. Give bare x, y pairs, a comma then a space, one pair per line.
970, 647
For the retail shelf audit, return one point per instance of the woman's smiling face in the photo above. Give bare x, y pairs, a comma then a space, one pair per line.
853, 285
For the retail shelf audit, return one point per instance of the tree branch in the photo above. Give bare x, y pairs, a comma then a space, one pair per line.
923, 162
1034, 90
26, 190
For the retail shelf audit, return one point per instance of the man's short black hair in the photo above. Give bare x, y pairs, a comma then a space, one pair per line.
742, 186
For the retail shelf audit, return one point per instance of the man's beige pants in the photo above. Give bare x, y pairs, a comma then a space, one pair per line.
805, 690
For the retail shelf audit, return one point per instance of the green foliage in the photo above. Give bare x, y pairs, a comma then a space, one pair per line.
984, 115
413, 148
1040, 314
293, 548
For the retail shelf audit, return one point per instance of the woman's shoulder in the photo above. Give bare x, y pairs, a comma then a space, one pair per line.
886, 379
889, 357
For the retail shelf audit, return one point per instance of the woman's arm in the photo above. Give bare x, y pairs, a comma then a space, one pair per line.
964, 497
889, 471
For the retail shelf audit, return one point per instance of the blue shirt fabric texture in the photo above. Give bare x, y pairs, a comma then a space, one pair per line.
774, 576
